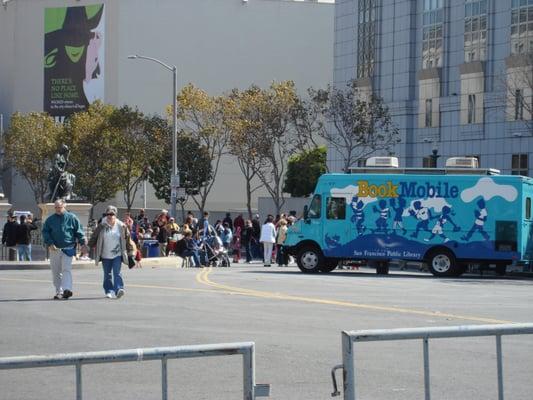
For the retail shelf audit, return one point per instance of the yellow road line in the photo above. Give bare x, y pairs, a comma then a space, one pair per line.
132, 285
203, 277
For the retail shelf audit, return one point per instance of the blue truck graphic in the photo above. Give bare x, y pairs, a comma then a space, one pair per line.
442, 218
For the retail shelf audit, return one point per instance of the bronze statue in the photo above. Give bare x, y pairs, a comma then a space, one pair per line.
60, 182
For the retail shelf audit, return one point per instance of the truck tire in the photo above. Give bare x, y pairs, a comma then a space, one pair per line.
441, 262
329, 265
382, 268
501, 269
309, 259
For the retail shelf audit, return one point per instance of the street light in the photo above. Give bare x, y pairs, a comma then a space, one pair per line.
174, 175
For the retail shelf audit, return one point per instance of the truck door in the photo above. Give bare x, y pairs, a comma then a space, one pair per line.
335, 226
315, 220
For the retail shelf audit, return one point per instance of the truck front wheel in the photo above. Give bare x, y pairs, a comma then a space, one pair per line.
442, 263
309, 259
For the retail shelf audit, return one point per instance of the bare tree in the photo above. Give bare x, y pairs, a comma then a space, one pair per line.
354, 124
518, 92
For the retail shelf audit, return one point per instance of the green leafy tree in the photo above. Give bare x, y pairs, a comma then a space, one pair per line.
241, 146
201, 117
193, 161
95, 153
303, 171
263, 128
29, 145
136, 145
352, 123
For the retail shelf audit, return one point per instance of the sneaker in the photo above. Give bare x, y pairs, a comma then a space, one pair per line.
110, 295
267, 265
120, 293
58, 296
446, 240
66, 294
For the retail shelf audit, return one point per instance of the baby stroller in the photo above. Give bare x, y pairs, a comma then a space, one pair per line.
214, 254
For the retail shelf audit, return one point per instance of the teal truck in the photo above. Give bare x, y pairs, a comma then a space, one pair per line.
447, 218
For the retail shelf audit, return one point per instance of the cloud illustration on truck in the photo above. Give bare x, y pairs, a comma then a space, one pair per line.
487, 188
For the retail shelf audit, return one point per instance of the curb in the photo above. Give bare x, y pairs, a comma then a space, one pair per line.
76, 264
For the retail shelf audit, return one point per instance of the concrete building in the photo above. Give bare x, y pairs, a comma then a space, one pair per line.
455, 74
216, 44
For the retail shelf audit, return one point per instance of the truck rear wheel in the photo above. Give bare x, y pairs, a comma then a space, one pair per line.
309, 259
442, 262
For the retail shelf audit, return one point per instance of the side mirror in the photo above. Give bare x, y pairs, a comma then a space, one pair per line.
306, 212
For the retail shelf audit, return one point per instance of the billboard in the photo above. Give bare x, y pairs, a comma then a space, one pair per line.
74, 48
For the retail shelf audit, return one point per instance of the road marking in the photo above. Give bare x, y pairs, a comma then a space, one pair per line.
132, 285
203, 278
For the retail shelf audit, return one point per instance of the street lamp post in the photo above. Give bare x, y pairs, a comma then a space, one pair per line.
174, 173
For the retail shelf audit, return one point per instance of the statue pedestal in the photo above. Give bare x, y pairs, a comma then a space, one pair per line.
82, 211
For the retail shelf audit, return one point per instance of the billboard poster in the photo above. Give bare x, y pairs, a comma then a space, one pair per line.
74, 47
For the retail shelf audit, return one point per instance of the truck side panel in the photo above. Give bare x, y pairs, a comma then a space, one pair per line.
403, 216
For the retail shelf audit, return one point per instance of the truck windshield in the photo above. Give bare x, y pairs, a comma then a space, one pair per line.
315, 207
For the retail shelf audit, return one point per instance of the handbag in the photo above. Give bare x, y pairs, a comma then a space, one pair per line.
131, 262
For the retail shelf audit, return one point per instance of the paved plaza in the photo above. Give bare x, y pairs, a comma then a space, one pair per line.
295, 320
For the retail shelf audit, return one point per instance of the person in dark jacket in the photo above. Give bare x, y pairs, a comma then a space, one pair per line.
256, 246
9, 236
246, 239
23, 234
228, 221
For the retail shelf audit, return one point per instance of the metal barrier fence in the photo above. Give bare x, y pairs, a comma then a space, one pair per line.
247, 349
349, 337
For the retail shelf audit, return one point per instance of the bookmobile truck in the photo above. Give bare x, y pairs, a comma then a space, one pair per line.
448, 218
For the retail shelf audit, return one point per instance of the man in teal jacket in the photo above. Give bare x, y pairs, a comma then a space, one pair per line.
61, 233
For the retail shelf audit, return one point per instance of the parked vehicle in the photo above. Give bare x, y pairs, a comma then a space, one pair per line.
446, 217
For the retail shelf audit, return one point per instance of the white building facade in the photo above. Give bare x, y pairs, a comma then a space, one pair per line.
216, 45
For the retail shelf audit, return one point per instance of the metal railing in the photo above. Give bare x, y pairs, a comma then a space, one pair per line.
349, 337
247, 349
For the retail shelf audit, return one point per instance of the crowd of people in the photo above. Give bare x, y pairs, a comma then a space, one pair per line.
114, 242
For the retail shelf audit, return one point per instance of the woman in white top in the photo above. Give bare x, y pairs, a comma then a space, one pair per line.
268, 238
113, 244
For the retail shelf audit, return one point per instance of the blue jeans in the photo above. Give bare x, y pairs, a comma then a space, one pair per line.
24, 251
248, 248
194, 255
112, 265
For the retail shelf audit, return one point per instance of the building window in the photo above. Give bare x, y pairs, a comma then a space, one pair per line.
432, 34
366, 38
518, 104
471, 108
475, 44
429, 113
522, 27
519, 165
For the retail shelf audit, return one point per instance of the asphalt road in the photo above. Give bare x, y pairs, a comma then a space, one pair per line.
295, 320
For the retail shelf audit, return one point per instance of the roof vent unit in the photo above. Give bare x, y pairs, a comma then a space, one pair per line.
382, 162
462, 162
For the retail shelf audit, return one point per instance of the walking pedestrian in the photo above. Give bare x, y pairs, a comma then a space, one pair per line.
23, 233
113, 245
268, 238
62, 231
